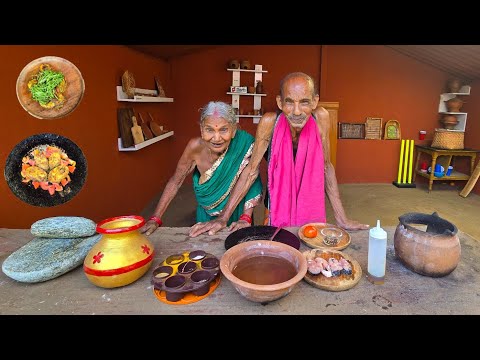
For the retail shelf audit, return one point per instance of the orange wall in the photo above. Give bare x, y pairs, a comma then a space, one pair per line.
375, 81
117, 182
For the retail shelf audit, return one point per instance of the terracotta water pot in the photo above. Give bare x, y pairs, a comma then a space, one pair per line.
245, 65
449, 121
454, 104
122, 255
259, 87
434, 252
233, 64
454, 85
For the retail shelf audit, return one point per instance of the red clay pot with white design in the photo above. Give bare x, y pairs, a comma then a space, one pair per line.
122, 255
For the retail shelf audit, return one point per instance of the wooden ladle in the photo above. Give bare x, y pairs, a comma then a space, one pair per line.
276, 232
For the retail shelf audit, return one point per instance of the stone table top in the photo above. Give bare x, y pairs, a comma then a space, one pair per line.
404, 292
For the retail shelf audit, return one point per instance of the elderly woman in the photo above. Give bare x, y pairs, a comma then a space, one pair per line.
216, 159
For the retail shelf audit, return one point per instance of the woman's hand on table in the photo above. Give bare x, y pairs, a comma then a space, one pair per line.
212, 226
237, 225
149, 227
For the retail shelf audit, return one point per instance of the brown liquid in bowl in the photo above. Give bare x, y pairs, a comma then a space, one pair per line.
264, 270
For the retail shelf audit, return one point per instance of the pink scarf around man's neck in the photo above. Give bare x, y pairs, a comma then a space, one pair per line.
296, 188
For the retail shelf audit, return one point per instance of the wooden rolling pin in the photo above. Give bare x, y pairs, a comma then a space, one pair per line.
471, 182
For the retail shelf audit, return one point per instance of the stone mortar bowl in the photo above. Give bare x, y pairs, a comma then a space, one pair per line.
258, 248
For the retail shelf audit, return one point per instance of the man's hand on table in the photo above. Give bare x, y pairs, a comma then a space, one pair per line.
352, 225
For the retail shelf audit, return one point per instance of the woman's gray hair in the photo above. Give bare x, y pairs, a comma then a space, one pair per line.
218, 109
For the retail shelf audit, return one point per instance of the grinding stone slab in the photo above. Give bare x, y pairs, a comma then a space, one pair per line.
44, 259
63, 227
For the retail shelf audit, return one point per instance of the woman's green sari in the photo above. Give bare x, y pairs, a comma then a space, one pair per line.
213, 189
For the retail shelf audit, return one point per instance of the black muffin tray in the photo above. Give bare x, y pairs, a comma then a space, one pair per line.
188, 272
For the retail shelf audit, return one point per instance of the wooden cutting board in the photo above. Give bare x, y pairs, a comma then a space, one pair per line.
137, 132
317, 241
334, 283
124, 120
145, 128
156, 129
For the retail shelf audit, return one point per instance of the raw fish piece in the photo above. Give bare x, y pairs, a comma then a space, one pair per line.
327, 273
346, 267
335, 266
313, 268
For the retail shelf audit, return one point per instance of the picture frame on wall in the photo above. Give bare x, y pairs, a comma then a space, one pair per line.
351, 131
392, 130
373, 128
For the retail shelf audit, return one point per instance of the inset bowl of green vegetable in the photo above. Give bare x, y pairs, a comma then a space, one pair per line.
50, 87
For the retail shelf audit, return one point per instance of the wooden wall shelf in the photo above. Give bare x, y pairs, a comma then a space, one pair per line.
247, 94
259, 70
121, 96
145, 143
461, 116
257, 98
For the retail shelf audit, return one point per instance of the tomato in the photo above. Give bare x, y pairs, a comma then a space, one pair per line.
310, 231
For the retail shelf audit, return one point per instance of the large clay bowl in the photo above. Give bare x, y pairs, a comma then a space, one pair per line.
434, 252
260, 248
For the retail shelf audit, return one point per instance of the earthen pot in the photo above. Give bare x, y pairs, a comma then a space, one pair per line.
454, 104
245, 65
434, 252
454, 85
449, 121
122, 255
233, 64
259, 87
